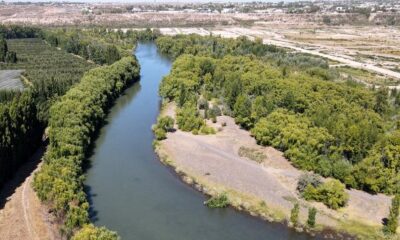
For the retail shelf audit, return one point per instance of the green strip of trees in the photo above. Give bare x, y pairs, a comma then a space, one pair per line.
73, 122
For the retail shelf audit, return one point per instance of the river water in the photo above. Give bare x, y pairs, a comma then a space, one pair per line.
132, 193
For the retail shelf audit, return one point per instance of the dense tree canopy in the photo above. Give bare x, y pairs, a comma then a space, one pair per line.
289, 101
73, 122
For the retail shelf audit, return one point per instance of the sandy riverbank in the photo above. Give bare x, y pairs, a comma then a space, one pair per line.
267, 189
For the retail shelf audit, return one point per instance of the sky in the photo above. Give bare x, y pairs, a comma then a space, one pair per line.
150, 1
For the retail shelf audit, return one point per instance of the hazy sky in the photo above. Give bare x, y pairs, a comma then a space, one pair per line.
149, 1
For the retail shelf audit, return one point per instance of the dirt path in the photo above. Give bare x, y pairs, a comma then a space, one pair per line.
215, 158
22, 216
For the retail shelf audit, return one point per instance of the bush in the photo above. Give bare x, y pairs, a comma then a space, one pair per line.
220, 201
392, 222
90, 232
188, 118
294, 214
331, 193
308, 179
164, 124
160, 133
207, 130
312, 212
202, 103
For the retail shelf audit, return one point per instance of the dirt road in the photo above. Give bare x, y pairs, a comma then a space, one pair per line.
22, 216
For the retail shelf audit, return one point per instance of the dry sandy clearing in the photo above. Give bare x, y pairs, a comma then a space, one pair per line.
215, 158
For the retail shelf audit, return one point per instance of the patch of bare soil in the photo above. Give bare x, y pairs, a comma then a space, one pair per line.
216, 158
22, 216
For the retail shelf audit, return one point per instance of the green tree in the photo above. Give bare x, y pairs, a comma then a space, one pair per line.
3, 49
393, 219
11, 57
382, 104
90, 232
332, 193
294, 214
312, 212
242, 111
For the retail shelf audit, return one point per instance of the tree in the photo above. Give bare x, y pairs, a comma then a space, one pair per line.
3, 49
381, 105
312, 212
294, 214
11, 57
392, 222
90, 232
331, 193
242, 111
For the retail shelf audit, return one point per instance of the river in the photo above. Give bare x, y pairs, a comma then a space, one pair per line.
131, 192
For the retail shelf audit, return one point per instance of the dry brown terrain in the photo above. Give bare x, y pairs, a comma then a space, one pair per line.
373, 49
22, 215
215, 158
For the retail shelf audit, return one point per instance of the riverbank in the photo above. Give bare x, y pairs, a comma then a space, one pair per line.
213, 165
22, 215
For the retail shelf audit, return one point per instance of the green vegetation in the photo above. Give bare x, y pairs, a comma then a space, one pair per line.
219, 201
73, 122
308, 179
3, 49
331, 193
189, 120
90, 232
294, 214
24, 115
392, 222
52, 72
312, 213
100, 45
164, 125
291, 102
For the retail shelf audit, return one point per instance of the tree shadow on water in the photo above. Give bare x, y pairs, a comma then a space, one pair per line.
89, 196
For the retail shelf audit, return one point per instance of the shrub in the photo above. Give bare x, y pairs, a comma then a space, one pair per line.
215, 110
188, 118
160, 133
90, 232
166, 123
207, 130
312, 212
392, 222
219, 201
202, 103
294, 214
332, 193
308, 179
